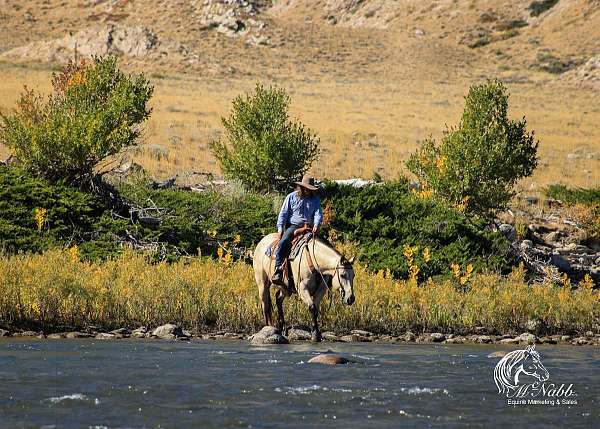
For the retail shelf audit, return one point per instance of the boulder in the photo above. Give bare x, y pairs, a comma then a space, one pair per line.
409, 337
141, 332
527, 338
508, 231
526, 244
4, 333
455, 340
268, 335
105, 336
169, 332
361, 333
27, 334
57, 336
481, 339
581, 341
330, 359
77, 335
436, 337
353, 338
297, 334
330, 336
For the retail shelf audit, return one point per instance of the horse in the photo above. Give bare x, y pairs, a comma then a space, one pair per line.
329, 267
516, 363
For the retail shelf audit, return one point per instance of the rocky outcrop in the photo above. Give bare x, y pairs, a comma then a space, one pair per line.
234, 18
552, 244
113, 39
587, 75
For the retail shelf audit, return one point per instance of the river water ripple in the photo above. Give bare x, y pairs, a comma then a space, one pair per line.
206, 384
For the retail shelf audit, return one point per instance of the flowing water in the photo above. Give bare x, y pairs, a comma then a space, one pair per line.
206, 384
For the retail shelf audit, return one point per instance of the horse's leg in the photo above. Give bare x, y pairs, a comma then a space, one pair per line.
265, 297
318, 296
316, 334
279, 297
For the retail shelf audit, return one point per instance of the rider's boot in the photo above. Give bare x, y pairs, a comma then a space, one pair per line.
278, 277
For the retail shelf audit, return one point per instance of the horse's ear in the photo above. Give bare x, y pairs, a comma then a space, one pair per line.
531, 348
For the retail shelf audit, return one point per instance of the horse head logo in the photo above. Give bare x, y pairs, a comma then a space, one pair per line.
516, 364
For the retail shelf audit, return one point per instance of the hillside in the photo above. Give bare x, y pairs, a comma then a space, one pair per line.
372, 77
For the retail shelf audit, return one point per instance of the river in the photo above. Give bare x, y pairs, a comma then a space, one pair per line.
207, 384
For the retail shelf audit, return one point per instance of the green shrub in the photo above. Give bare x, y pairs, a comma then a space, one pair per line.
93, 113
590, 196
262, 147
379, 219
477, 164
70, 215
383, 219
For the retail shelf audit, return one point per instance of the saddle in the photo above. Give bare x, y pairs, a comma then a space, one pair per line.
301, 238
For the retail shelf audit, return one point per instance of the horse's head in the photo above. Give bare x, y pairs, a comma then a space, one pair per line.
532, 366
343, 280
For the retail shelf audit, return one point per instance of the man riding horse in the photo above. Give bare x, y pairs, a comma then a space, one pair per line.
300, 209
317, 267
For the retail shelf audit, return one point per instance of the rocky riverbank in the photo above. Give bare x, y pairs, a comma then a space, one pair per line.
299, 334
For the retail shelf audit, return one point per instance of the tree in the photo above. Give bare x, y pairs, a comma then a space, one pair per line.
94, 112
476, 165
261, 146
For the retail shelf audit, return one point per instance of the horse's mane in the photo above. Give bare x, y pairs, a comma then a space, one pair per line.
504, 369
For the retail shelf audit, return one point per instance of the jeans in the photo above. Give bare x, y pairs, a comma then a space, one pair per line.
285, 245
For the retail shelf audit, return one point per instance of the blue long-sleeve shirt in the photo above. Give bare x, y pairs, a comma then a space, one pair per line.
298, 211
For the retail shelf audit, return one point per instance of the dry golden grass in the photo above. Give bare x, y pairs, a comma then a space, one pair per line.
366, 125
372, 86
58, 290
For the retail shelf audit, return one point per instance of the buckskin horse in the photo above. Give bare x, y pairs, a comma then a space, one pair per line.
316, 267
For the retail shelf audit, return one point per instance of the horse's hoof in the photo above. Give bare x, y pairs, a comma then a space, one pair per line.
316, 337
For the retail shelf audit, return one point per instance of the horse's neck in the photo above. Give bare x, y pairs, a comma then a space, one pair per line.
327, 258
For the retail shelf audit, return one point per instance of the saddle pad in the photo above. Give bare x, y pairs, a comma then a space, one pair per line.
296, 247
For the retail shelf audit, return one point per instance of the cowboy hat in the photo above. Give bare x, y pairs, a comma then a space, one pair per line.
308, 183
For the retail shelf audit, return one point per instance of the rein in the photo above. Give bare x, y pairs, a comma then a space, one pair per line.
337, 272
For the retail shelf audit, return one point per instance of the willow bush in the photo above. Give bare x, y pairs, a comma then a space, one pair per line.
477, 164
93, 112
262, 147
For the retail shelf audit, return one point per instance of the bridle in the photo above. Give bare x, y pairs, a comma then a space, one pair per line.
338, 267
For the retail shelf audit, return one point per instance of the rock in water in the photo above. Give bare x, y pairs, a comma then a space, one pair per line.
268, 335
168, 332
497, 354
330, 359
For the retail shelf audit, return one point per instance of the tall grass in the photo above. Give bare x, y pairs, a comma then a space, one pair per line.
58, 291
